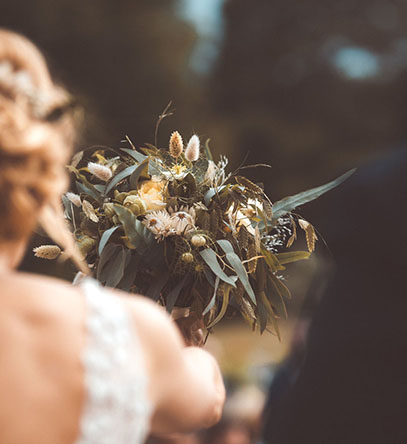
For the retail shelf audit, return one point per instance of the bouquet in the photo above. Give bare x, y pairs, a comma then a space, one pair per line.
176, 226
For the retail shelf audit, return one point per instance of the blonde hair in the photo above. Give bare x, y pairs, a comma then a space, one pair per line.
36, 140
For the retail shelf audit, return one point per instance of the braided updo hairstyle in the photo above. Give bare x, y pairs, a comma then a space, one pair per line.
36, 139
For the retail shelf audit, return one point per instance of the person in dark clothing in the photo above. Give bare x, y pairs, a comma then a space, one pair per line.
352, 386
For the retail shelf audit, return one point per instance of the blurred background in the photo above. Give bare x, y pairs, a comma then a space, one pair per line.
312, 88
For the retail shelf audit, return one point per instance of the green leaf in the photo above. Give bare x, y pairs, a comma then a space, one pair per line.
119, 177
116, 268
289, 203
130, 272
211, 192
212, 301
209, 256
237, 265
135, 154
130, 222
271, 260
107, 254
140, 172
174, 293
86, 190
155, 288
105, 237
262, 314
281, 288
292, 256
271, 314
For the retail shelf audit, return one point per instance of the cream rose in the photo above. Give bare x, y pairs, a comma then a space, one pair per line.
152, 194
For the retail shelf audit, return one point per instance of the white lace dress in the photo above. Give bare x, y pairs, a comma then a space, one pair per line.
117, 409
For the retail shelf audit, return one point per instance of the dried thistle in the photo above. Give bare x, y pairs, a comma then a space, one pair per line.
176, 144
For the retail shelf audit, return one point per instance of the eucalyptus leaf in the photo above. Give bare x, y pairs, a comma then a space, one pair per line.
209, 256
105, 237
135, 154
129, 221
140, 172
211, 192
292, 256
158, 284
174, 293
212, 301
271, 260
271, 314
68, 206
130, 271
236, 264
281, 288
262, 313
108, 252
290, 203
116, 268
86, 190
119, 177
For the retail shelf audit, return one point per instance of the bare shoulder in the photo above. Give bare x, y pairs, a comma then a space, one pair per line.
152, 322
41, 296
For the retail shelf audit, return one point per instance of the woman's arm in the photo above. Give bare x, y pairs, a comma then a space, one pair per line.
186, 385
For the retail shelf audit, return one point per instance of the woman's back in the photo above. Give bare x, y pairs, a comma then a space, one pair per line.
41, 376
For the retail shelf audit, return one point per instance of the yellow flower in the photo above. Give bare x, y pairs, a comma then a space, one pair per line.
151, 191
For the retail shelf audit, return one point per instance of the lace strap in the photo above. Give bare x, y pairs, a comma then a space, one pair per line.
117, 409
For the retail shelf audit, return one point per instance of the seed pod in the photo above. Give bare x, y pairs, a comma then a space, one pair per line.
136, 205
85, 244
176, 144
108, 209
187, 257
120, 196
198, 240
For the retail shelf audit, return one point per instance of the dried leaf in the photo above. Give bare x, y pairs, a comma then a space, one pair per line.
89, 211
224, 290
268, 209
76, 159
292, 256
293, 237
243, 237
257, 240
251, 254
310, 234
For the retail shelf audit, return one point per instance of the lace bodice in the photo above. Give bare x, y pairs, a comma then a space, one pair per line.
116, 410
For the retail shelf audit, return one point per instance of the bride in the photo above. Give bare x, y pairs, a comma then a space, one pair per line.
79, 365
